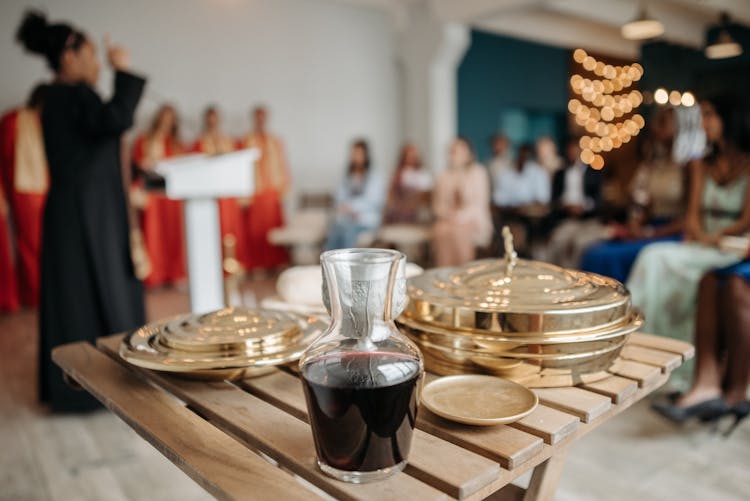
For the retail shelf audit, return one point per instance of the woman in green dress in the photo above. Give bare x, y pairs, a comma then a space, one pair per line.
665, 277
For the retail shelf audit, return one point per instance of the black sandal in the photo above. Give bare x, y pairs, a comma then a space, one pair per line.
707, 411
740, 411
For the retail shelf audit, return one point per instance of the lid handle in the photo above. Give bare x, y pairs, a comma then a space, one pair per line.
511, 256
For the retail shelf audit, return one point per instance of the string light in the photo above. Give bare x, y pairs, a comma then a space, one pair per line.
598, 162
661, 96
599, 105
688, 99
675, 98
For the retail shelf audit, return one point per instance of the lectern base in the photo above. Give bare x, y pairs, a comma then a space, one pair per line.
203, 240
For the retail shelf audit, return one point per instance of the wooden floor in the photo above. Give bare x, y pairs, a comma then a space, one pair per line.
97, 457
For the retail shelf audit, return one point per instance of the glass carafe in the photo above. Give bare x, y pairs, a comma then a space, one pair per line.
362, 376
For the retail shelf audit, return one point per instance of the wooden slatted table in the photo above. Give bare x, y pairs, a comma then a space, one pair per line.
251, 439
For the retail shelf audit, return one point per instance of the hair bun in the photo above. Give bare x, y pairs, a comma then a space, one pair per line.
33, 32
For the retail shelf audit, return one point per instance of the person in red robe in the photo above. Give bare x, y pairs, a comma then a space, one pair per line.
8, 291
25, 175
161, 221
272, 181
213, 141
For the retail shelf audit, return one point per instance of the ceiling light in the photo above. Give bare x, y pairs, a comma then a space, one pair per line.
725, 46
642, 28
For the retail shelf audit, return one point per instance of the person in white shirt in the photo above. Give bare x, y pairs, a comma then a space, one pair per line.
546, 155
502, 157
523, 185
521, 197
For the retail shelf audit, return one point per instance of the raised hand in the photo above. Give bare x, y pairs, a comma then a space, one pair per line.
118, 56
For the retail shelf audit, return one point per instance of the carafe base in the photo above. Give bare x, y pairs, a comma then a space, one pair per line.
361, 477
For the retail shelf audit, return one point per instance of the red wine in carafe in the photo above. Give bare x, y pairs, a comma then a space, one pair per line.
362, 408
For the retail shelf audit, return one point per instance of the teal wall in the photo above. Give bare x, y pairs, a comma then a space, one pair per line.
511, 86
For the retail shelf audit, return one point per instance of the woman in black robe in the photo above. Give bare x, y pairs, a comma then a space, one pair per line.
89, 287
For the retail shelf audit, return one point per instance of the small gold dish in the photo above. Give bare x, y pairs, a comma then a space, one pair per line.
232, 343
479, 400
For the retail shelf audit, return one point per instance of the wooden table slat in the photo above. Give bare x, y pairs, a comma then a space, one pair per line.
219, 463
550, 424
508, 446
643, 373
617, 388
584, 404
667, 361
280, 388
683, 348
450, 468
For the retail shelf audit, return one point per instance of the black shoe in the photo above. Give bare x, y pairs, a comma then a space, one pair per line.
706, 411
740, 411
673, 396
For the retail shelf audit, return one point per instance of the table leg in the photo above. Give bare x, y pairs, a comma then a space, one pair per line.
72, 382
545, 478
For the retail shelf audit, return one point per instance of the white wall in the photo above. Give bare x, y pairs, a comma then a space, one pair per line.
327, 70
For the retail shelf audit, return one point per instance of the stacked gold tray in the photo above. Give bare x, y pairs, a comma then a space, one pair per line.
231, 343
532, 322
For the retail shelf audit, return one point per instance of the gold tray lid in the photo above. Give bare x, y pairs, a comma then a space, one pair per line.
229, 329
259, 339
517, 297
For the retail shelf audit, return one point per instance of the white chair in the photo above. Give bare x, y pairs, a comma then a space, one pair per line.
408, 238
303, 234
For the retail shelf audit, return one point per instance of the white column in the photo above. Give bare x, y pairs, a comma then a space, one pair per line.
455, 41
431, 51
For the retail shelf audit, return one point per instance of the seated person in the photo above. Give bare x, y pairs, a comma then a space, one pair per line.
722, 351
521, 196
462, 208
407, 209
359, 200
546, 155
658, 198
502, 157
576, 199
408, 196
664, 280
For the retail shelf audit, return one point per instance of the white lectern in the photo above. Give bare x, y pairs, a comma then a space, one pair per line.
199, 180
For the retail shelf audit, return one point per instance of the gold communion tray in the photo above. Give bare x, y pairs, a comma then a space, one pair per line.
231, 343
494, 297
532, 364
520, 319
